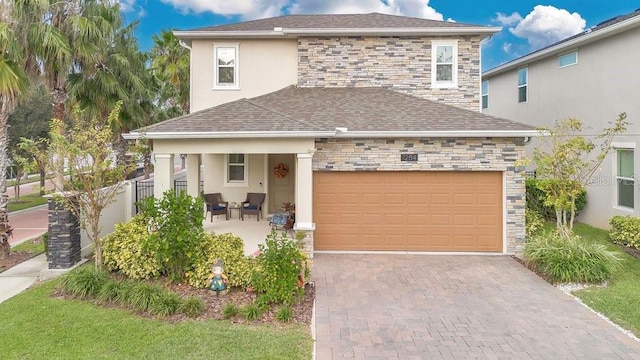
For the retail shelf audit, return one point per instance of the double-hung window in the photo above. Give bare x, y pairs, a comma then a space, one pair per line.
624, 178
226, 66
444, 64
523, 80
237, 173
485, 94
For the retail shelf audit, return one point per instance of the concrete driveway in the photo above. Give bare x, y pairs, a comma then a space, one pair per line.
452, 307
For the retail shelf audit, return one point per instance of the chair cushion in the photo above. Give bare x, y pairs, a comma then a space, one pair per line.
251, 207
218, 207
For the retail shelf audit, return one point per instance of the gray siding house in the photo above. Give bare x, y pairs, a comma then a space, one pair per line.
592, 76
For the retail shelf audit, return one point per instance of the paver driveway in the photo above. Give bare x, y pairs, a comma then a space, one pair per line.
452, 307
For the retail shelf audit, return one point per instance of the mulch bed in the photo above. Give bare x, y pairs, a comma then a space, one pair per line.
631, 251
15, 258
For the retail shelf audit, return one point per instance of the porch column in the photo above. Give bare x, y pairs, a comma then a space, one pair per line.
193, 174
304, 193
162, 174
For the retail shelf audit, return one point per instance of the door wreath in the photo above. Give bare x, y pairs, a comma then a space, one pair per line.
281, 170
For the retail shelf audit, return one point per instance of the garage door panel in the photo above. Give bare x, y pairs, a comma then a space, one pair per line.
410, 211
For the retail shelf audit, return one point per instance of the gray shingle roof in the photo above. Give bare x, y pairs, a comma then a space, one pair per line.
335, 21
295, 109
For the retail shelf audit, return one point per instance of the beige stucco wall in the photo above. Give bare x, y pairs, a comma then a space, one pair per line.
264, 66
601, 85
365, 61
438, 154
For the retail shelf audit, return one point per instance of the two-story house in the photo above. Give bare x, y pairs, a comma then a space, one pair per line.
375, 116
592, 76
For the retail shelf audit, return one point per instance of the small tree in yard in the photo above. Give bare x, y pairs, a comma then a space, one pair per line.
94, 178
565, 166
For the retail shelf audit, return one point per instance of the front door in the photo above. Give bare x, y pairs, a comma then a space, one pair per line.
281, 186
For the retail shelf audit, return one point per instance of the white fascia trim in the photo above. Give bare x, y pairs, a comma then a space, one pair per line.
227, 135
440, 134
577, 42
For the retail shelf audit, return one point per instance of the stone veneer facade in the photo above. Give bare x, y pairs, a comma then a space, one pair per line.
438, 154
399, 63
64, 244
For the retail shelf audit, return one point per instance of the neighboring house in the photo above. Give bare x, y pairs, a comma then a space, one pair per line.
377, 118
592, 76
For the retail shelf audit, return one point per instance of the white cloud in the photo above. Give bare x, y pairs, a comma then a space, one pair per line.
547, 24
507, 20
127, 5
254, 9
414, 8
506, 47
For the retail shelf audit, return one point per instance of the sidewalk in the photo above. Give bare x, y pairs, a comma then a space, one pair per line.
27, 224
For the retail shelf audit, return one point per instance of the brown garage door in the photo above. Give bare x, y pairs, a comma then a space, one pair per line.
408, 211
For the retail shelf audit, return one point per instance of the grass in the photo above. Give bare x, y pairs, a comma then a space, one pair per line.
35, 246
36, 326
26, 202
620, 299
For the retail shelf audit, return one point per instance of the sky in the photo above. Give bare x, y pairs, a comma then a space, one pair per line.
527, 25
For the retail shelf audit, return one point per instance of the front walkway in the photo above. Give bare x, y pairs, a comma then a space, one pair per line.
452, 307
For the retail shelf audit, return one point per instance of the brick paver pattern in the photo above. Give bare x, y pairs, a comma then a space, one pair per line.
452, 307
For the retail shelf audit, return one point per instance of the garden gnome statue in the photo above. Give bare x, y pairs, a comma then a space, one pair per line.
218, 278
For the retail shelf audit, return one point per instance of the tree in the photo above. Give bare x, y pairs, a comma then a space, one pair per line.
94, 178
170, 64
566, 164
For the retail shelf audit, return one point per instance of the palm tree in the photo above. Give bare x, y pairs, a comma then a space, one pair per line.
170, 63
21, 35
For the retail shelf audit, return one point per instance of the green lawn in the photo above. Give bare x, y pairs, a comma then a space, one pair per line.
35, 246
35, 326
26, 201
620, 299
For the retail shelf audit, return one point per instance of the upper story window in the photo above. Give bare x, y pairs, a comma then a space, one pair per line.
237, 170
568, 59
624, 178
226, 66
523, 80
485, 94
444, 64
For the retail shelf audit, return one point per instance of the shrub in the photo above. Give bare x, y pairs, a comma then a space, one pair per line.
167, 304
124, 250
230, 310
533, 222
569, 259
230, 249
177, 219
143, 296
192, 307
109, 291
284, 314
84, 282
252, 311
535, 200
279, 265
625, 230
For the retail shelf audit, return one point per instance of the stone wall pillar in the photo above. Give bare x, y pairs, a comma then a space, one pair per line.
64, 237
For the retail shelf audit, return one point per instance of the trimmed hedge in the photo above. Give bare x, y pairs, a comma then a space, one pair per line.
625, 230
535, 201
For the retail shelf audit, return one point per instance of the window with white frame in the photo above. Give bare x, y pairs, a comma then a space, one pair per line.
523, 80
237, 169
568, 59
624, 178
485, 94
444, 64
226, 66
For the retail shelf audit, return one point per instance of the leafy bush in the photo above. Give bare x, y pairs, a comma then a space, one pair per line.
167, 304
124, 250
533, 222
192, 307
230, 310
252, 311
279, 265
569, 260
625, 230
84, 282
284, 314
230, 249
536, 196
177, 220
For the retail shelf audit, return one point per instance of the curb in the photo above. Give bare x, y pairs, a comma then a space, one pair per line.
27, 239
38, 207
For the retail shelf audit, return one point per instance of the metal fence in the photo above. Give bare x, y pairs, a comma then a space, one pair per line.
144, 189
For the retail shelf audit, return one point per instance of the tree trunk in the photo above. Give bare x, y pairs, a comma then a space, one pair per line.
42, 180
59, 97
5, 229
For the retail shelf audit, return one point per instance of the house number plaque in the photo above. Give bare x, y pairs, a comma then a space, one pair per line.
408, 157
